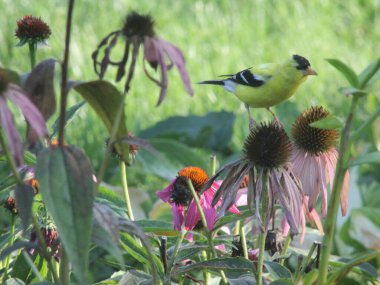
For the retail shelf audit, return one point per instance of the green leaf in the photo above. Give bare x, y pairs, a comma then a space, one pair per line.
105, 232
352, 91
243, 280
229, 218
14, 281
237, 264
24, 200
372, 157
188, 251
69, 116
282, 281
367, 74
343, 68
136, 277
67, 187
276, 270
172, 157
213, 131
331, 122
161, 228
105, 99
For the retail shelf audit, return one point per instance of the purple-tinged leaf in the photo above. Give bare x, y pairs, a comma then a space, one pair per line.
68, 189
24, 200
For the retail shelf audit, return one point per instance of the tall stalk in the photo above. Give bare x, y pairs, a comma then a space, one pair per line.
332, 211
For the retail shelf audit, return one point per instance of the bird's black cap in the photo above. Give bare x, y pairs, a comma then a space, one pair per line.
302, 63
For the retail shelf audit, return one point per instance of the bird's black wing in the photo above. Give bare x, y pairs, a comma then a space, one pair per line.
246, 77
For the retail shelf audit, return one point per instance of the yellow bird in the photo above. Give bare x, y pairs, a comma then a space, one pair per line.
267, 84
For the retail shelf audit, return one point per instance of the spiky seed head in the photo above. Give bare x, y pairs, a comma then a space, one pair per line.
267, 146
138, 25
32, 30
310, 139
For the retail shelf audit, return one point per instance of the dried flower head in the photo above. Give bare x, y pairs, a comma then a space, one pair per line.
138, 25
267, 146
138, 30
32, 30
311, 139
10, 205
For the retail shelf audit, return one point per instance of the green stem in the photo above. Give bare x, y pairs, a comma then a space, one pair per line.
204, 223
332, 211
9, 157
356, 134
30, 262
64, 270
124, 184
65, 63
32, 54
304, 263
174, 255
285, 248
263, 235
243, 241
206, 274
10, 243
213, 164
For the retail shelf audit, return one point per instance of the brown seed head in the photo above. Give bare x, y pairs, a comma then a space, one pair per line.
32, 30
311, 139
138, 25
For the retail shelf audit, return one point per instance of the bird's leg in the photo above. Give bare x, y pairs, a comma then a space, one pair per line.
274, 116
252, 122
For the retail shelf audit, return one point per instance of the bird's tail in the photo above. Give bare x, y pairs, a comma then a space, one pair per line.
213, 82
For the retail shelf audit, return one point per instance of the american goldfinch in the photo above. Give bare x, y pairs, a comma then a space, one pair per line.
267, 84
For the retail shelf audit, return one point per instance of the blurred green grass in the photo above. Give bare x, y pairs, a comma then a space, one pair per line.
217, 37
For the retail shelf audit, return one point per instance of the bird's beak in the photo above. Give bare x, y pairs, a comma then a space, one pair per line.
310, 71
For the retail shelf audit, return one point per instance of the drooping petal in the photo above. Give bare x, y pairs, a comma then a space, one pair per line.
178, 59
210, 213
165, 194
14, 140
344, 193
177, 211
192, 216
150, 50
29, 110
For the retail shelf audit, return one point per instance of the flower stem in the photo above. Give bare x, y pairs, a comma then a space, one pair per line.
243, 241
206, 274
64, 89
263, 234
30, 262
124, 184
204, 223
174, 255
332, 211
10, 243
9, 157
305, 262
213, 164
285, 249
32, 54
116, 123
64, 272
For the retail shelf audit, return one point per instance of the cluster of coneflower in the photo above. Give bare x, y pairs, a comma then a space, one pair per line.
292, 173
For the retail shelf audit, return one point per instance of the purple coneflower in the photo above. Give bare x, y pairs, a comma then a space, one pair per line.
183, 206
139, 30
266, 153
10, 91
314, 158
32, 30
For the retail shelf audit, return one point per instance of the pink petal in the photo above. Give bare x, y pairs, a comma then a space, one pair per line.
210, 214
177, 211
150, 51
192, 216
344, 193
14, 140
178, 59
165, 194
29, 110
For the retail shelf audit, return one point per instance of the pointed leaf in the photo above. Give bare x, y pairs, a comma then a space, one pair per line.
136, 277
372, 157
331, 122
69, 115
352, 91
40, 90
345, 70
67, 187
368, 73
237, 264
105, 99
276, 270
157, 227
24, 200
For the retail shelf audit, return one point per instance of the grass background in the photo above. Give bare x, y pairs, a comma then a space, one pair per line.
216, 37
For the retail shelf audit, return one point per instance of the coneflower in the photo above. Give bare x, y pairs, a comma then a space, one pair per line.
182, 203
314, 158
266, 151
